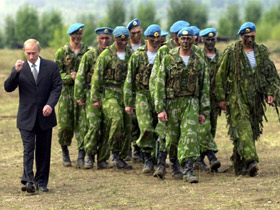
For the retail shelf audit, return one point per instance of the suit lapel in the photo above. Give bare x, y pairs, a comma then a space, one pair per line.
41, 71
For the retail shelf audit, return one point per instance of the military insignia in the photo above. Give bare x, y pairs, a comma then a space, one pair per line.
106, 31
122, 36
134, 23
185, 32
156, 34
80, 29
247, 30
210, 34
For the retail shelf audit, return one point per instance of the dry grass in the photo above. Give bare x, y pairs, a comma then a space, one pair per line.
71, 188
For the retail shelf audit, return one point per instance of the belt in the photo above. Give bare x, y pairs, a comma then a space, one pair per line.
113, 86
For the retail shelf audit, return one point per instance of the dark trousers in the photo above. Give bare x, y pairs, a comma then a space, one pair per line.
39, 141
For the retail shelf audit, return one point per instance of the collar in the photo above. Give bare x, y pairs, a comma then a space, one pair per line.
37, 63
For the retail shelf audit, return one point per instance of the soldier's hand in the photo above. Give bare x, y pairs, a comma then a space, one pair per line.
97, 104
129, 109
201, 119
80, 102
47, 110
162, 116
270, 100
19, 65
222, 105
73, 74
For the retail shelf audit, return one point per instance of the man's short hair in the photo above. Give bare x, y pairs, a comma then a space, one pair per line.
34, 41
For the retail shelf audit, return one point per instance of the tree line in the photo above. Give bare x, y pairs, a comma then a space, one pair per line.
51, 31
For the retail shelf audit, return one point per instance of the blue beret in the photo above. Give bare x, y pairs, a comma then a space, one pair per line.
134, 23
164, 33
153, 30
247, 28
177, 26
104, 30
186, 31
121, 31
208, 32
196, 30
75, 27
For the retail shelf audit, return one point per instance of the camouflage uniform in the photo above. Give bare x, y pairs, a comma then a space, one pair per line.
107, 86
71, 117
136, 92
92, 141
207, 130
183, 92
245, 91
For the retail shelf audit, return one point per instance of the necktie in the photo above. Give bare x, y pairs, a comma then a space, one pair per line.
35, 72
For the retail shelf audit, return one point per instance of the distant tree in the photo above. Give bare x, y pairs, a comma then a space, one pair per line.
89, 35
1, 39
27, 23
50, 21
10, 39
60, 38
146, 12
253, 11
188, 10
230, 22
115, 13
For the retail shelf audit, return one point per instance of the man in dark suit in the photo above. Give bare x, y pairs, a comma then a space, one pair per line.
39, 85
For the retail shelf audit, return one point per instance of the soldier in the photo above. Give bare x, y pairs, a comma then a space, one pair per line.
182, 100
196, 34
107, 91
135, 32
70, 116
93, 144
244, 81
207, 130
163, 37
136, 93
160, 129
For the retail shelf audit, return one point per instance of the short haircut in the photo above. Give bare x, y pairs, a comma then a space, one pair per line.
34, 41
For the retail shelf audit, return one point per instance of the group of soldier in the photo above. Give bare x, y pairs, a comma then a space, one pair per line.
164, 97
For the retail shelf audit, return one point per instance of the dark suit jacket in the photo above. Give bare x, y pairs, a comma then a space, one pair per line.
33, 97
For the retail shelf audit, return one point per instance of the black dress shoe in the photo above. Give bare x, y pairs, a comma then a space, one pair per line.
29, 187
42, 188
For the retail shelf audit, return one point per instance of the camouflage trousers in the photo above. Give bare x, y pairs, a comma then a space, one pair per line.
206, 133
240, 130
71, 118
95, 142
181, 128
118, 122
147, 120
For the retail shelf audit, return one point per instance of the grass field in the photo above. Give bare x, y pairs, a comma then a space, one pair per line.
71, 188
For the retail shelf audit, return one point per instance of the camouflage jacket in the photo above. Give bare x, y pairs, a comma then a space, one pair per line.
174, 80
67, 62
244, 88
85, 72
138, 75
109, 70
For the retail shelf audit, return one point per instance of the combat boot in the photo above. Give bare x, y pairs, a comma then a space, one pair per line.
214, 162
161, 171
103, 164
200, 164
89, 162
119, 163
137, 156
148, 167
188, 175
252, 168
65, 157
175, 167
129, 156
81, 159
